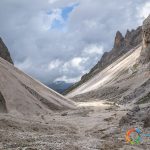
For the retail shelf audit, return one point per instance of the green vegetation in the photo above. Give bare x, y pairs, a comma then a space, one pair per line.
135, 66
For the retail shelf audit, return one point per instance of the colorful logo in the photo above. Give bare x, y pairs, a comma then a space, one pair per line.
137, 136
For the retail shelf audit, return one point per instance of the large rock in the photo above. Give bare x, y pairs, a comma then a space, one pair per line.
145, 53
4, 53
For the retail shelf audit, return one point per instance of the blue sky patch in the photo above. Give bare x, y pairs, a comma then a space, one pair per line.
65, 14
67, 10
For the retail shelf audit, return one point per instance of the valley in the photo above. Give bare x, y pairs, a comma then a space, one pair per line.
94, 114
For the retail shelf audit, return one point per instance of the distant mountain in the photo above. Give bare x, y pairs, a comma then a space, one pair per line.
121, 46
60, 86
4, 53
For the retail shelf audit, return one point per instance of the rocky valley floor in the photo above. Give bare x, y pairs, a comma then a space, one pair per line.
93, 125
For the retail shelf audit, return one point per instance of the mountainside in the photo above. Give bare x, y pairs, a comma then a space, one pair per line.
59, 86
109, 80
22, 95
121, 46
4, 53
127, 79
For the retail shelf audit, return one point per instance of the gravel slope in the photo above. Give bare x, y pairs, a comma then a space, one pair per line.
23, 95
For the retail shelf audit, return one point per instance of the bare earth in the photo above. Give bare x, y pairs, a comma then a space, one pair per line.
92, 126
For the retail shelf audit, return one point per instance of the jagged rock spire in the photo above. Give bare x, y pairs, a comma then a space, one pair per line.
145, 53
119, 39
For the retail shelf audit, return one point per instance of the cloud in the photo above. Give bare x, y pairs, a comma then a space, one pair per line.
94, 49
55, 39
76, 62
52, 1
68, 80
145, 11
54, 64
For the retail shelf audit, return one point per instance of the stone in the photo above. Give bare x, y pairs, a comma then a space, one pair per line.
64, 114
124, 120
147, 122
135, 109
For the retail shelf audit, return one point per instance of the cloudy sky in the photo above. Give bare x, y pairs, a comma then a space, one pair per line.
55, 40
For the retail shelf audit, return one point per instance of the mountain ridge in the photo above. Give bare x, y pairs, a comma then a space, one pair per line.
124, 81
121, 46
59, 86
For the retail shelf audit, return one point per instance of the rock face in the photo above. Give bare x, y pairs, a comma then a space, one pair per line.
121, 46
145, 54
3, 108
4, 53
119, 40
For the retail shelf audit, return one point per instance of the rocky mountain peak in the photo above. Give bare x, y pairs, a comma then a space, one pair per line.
119, 39
121, 46
4, 53
145, 53
128, 33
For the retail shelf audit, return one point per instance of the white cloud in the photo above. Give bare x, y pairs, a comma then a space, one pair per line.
77, 63
145, 11
54, 64
52, 1
68, 80
94, 49
90, 24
